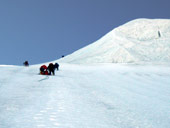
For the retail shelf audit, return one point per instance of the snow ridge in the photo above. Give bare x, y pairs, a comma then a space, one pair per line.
138, 41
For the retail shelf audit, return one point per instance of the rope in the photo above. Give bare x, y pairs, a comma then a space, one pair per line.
47, 77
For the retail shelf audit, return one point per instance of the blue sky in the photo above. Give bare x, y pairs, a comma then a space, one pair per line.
44, 30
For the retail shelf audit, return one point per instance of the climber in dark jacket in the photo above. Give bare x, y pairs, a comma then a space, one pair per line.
56, 66
51, 68
26, 63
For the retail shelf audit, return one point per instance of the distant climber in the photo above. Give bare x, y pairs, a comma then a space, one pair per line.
56, 66
43, 70
26, 63
51, 68
159, 34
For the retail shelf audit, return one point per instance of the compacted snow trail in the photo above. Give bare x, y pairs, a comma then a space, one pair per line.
91, 96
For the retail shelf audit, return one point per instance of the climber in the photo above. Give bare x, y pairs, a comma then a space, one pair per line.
51, 69
43, 70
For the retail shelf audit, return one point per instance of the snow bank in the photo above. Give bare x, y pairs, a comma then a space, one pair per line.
138, 41
78, 96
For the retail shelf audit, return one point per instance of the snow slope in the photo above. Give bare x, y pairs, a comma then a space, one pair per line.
138, 41
91, 96
90, 90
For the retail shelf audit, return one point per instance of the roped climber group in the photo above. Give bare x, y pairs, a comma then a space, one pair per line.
50, 70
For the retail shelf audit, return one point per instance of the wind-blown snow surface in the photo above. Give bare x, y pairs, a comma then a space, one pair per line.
138, 41
91, 96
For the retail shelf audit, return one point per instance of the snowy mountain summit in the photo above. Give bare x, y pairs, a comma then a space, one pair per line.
138, 41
